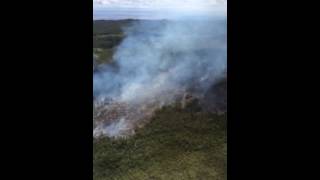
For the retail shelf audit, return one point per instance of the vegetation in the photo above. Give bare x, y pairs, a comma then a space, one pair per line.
109, 26
103, 55
176, 144
106, 36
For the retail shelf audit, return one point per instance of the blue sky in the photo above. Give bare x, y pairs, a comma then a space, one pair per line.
156, 9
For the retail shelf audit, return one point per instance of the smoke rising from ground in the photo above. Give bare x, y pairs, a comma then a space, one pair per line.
159, 60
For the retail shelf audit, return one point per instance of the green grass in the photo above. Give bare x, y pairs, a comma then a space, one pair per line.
107, 41
176, 144
104, 56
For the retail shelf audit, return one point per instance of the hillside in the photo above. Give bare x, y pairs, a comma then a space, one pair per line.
177, 143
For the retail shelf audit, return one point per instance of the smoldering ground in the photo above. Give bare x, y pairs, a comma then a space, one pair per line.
156, 63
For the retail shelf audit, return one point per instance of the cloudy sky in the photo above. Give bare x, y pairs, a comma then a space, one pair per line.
156, 9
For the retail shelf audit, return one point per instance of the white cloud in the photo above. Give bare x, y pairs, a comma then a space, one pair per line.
163, 8
180, 4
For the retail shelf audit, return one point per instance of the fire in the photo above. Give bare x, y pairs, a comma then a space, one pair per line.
120, 119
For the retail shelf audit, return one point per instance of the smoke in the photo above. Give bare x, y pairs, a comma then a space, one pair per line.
160, 59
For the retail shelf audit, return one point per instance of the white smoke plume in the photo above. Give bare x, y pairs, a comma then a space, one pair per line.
159, 60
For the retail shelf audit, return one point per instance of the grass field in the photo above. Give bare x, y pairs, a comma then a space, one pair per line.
104, 56
176, 144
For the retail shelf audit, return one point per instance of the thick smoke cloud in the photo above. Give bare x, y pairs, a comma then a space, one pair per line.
158, 57
159, 60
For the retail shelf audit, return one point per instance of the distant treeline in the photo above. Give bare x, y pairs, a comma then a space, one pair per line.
107, 33
109, 26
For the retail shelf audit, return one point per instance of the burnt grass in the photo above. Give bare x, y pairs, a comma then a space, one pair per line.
175, 144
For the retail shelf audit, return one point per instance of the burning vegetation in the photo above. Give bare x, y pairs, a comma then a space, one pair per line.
120, 119
176, 143
157, 64
162, 86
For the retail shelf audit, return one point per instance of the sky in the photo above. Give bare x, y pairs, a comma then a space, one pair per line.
156, 9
